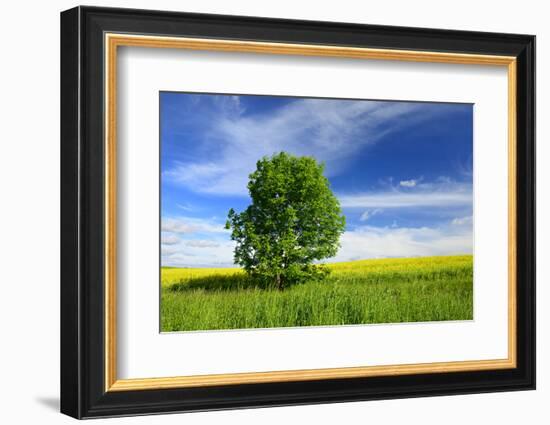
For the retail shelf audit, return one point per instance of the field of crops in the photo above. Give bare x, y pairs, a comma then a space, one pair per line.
357, 292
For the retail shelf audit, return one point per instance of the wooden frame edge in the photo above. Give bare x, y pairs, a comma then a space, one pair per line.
110, 213
113, 40
512, 212
306, 375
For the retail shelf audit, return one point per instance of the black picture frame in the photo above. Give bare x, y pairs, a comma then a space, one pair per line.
83, 392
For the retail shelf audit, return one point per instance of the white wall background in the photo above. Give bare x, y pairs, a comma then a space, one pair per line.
29, 213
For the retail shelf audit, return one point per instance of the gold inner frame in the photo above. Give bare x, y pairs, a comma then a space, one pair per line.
113, 41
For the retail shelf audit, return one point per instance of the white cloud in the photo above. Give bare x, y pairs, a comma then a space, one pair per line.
188, 225
381, 242
363, 242
408, 183
405, 200
185, 207
169, 250
193, 174
443, 194
200, 253
202, 243
333, 130
195, 242
461, 221
176, 226
368, 214
205, 242
167, 239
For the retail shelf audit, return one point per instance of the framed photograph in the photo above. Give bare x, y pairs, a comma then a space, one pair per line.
261, 212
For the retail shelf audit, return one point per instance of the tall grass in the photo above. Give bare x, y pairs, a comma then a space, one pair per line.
358, 292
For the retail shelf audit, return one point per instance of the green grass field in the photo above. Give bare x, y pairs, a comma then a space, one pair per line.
357, 292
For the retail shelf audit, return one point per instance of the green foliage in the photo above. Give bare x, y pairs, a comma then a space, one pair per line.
294, 219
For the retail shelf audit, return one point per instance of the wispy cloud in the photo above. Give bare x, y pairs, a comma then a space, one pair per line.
185, 207
408, 183
201, 243
465, 167
383, 242
443, 193
363, 242
462, 221
334, 130
199, 253
204, 242
405, 200
195, 242
368, 214
167, 239
188, 225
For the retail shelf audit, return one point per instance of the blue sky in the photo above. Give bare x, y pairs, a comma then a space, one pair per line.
401, 170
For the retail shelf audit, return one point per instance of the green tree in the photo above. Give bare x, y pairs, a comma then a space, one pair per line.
294, 219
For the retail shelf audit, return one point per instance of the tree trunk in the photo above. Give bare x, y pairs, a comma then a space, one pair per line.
279, 281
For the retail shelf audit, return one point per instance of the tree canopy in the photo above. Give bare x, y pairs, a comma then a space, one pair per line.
294, 220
